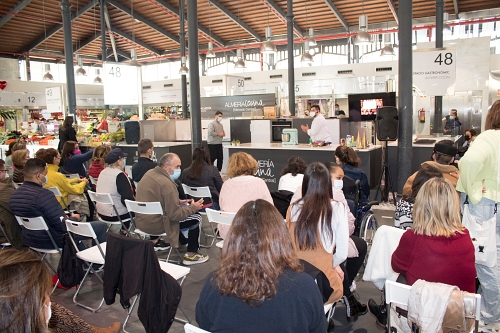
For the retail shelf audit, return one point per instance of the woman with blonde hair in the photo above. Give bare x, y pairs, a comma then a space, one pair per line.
437, 248
19, 158
437, 240
479, 180
258, 286
242, 186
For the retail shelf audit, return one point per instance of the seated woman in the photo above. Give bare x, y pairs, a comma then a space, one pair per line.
404, 207
259, 285
437, 248
113, 181
25, 286
349, 161
19, 158
242, 186
292, 174
8, 156
97, 164
202, 173
72, 190
469, 137
72, 159
319, 227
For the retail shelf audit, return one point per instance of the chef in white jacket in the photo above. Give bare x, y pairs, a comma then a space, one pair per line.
319, 129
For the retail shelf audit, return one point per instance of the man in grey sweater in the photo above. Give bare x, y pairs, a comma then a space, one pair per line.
214, 140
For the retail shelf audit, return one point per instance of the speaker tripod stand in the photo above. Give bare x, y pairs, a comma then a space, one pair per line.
386, 176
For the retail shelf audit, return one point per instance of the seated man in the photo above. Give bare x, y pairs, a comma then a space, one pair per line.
443, 157
158, 185
144, 163
7, 220
32, 200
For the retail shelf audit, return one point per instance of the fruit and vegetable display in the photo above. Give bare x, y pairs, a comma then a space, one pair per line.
8, 137
94, 140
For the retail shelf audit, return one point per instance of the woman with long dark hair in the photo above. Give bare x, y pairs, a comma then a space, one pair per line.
319, 227
202, 173
72, 159
66, 132
258, 286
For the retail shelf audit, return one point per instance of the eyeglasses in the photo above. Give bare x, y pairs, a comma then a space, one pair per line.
4, 170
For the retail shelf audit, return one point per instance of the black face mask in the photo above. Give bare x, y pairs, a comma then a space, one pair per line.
466, 137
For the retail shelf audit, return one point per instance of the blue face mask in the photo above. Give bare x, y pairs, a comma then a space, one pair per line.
177, 173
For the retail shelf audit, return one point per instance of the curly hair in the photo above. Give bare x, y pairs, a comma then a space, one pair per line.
295, 165
99, 153
347, 155
48, 155
24, 285
493, 117
19, 158
257, 250
241, 164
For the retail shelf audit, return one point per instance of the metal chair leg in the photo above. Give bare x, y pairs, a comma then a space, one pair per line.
94, 310
213, 236
130, 312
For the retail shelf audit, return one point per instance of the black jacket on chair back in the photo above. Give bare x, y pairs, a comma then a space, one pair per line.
131, 267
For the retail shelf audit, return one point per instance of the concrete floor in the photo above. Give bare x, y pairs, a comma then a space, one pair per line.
92, 294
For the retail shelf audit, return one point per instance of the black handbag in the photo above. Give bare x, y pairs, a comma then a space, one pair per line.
70, 269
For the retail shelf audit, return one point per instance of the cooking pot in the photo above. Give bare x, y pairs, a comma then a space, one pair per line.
285, 137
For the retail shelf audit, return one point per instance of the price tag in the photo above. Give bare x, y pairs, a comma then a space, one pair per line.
434, 71
53, 97
122, 84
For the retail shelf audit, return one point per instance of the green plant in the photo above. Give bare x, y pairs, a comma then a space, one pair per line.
8, 114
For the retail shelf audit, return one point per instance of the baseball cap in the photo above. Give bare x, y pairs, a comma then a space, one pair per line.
114, 155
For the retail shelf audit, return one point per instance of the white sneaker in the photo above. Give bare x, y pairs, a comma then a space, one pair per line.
489, 327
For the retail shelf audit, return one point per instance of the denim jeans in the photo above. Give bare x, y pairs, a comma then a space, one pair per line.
100, 232
489, 277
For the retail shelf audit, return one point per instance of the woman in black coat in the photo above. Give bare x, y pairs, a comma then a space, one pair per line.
66, 132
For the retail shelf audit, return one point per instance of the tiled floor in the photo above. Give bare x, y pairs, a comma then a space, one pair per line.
92, 294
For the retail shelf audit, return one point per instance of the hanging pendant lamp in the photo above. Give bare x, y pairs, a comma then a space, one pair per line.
268, 46
311, 40
133, 58
210, 52
80, 71
363, 36
183, 70
306, 56
388, 50
47, 76
97, 79
240, 63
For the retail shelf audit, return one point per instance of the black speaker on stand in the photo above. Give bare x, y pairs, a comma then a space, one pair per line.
132, 131
387, 127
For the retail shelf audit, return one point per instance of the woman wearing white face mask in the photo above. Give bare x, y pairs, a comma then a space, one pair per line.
357, 248
113, 180
25, 286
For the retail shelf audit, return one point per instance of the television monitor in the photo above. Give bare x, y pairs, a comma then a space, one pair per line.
364, 107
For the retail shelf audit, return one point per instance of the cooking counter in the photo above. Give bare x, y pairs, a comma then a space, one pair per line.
273, 157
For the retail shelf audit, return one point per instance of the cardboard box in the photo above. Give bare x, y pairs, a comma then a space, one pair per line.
269, 112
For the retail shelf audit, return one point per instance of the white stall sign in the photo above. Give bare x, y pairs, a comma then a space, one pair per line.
53, 96
121, 84
34, 99
235, 85
434, 71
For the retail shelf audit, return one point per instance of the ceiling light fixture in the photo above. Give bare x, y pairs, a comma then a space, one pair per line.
47, 76
97, 79
363, 36
183, 70
268, 46
80, 71
210, 52
240, 63
311, 40
133, 58
388, 50
446, 26
306, 56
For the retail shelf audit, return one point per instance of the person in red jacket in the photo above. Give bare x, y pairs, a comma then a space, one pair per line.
97, 164
437, 248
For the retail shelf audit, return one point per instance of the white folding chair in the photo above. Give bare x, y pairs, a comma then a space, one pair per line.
92, 255
399, 294
217, 216
72, 175
58, 193
188, 328
149, 208
38, 224
6, 244
105, 199
93, 181
178, 273
201, 192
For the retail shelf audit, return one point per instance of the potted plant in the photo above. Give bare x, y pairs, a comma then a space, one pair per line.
237, 142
